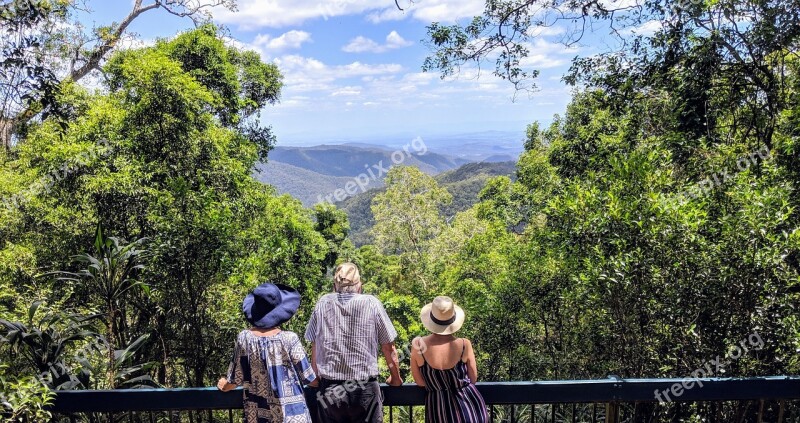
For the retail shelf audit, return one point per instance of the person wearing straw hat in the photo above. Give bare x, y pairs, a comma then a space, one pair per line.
445, 366
268, 362
347, 329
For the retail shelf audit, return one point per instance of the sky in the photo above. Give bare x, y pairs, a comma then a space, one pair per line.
352, 68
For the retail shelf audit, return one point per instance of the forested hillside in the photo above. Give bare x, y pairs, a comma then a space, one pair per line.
463, 183
305, 185
313, 174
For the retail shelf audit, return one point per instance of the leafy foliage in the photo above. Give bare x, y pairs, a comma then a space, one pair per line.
24, 75
44, 343
407, 213
47, 49
159, 160
646, 231
108, 281
24, 398
463, 183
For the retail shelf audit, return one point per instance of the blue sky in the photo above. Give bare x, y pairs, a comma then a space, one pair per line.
352, 68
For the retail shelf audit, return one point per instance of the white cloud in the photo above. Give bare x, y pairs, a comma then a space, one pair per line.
431, 11
394, 40
347, 91
289, 40
645, 29
133, 43
620, 4
448, 10
304, 74
314, 86
255, 14
359, 69
392, 14
362, 44
544, 54
420, 78
359, 85
546, 31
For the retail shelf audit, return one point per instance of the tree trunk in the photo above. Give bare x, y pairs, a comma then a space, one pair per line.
6, 130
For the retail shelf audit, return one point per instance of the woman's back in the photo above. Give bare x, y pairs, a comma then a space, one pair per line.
443, 354
271, 369
445, 378
452, 396
270, 363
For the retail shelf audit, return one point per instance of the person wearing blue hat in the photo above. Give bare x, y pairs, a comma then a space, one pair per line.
268, 362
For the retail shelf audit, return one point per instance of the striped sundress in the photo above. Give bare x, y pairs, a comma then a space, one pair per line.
452, 397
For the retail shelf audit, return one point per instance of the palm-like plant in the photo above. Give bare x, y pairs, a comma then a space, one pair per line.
108, 278
45, 341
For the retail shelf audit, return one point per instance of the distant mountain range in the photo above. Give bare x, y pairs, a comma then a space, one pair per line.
487, 146
353, 160
480, 146
350, 175
345, 173
334, 172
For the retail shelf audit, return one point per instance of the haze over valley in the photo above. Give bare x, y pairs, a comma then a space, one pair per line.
315, 173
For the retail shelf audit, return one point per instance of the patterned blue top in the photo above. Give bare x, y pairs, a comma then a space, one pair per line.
271, 369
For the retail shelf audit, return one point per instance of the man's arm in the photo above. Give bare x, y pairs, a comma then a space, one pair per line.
390, 354
315, 382
311, 336
386, 336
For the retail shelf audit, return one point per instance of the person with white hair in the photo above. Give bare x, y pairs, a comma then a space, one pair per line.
347, 329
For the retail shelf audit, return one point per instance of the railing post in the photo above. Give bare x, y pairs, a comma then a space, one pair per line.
612, 408
612, 412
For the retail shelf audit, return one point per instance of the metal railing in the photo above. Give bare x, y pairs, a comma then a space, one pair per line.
612, 400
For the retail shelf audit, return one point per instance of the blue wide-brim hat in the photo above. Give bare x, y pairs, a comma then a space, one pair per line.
270, 305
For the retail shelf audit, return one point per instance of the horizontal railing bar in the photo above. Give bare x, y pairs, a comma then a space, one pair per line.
640, 390
536, 392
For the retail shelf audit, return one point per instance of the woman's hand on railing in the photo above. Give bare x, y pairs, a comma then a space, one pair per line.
392, 381
224, 386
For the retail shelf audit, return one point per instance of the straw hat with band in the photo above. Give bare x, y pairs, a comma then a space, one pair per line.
442, 316
346, 274
270, 305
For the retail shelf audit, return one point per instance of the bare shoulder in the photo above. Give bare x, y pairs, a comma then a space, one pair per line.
467, 345
417, 349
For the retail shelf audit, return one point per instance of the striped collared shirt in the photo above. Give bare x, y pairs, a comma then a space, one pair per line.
347, 331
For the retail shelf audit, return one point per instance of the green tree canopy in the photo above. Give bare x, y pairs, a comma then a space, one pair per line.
48, 46
407, 214
160, 157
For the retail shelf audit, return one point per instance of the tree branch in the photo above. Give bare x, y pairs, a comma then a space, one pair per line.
93, 62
